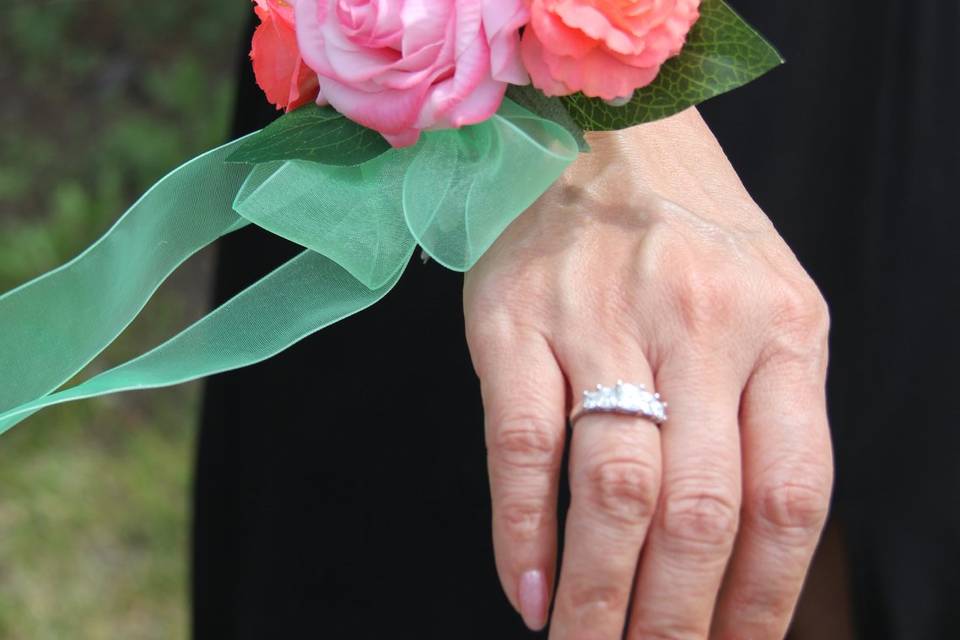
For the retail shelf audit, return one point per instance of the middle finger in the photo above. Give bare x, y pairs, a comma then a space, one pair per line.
692, 535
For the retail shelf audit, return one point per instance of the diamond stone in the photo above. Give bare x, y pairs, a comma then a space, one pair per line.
633, 398
603, 398
626, 398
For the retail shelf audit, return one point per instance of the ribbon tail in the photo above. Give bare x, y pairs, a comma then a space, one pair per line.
301, 297
53, 326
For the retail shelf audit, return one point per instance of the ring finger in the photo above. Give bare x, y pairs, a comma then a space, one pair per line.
614, 483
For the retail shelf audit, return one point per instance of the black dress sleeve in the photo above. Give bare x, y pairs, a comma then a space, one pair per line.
341, 487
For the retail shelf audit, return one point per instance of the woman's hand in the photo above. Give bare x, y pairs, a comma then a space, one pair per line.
649, 262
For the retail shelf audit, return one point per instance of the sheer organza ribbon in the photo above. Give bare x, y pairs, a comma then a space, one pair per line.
453, 194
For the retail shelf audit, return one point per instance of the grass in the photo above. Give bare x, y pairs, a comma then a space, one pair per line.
101, 99
93, 514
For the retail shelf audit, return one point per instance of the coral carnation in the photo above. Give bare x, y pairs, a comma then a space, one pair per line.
604, 48
277, 65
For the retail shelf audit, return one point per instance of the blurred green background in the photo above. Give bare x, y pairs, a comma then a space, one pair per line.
99, 100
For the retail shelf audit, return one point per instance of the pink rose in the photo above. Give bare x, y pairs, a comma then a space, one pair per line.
287, 82
401, 66
604, 48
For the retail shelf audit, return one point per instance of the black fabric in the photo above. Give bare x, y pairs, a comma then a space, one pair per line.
853, 149
347, 497
333, 504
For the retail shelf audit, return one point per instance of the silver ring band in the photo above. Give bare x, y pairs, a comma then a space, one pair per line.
624, 398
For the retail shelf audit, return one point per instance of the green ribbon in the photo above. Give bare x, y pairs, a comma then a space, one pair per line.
453, 194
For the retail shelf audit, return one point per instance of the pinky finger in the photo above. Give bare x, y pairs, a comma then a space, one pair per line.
788, 474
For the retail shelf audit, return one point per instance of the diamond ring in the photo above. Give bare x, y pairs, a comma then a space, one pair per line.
624, 398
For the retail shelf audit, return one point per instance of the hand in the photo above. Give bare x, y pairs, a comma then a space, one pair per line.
649, 262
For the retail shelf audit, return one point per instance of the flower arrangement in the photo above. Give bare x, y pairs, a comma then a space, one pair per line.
402, 66
407, 123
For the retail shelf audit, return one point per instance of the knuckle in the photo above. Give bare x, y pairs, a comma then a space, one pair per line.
526, 443
801, 315
494, 326
762, 608
495, 332
706, 517
800, 505
669, 632
624, 489
523, 521
500, 298
599, 598
706, 296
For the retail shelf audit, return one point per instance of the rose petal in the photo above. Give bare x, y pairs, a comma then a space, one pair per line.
473, 67
424, 23
480, 105
399, 66
387, 111
503, 35
405, 138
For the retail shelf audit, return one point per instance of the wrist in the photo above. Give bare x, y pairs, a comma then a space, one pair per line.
676, 158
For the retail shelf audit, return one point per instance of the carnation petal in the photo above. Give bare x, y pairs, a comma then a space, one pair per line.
555, 36
600, 75
597, 26
540, 75
274, 54
304, 86
605, 48
282, 10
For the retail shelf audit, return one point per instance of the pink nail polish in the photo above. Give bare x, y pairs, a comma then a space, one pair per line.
532, 594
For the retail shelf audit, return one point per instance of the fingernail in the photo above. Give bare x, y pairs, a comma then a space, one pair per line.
533, 599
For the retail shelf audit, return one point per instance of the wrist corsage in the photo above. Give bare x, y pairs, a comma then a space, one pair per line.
429, 123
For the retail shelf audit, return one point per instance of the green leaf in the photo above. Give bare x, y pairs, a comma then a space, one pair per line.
317, 134
536, 102
722, 53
